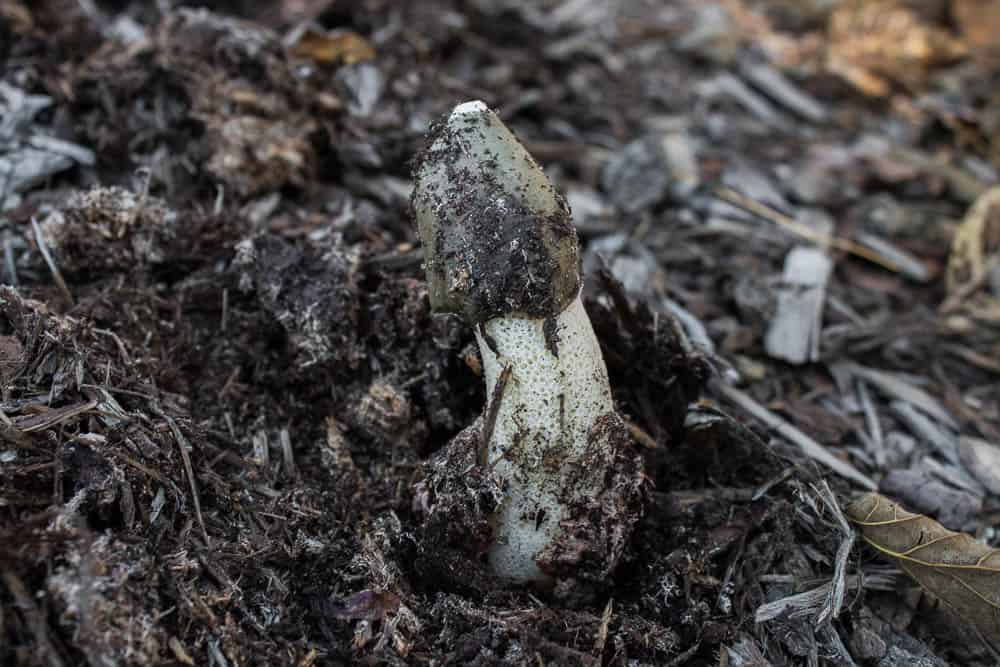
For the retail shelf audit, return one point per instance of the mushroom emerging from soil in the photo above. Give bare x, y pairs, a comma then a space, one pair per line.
501, 250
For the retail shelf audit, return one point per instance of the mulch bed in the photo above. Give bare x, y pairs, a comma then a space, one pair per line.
222, 381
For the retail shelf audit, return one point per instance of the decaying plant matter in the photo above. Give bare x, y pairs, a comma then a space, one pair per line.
958, 570
221, 377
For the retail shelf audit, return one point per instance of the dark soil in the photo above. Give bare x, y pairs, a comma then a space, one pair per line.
223, 384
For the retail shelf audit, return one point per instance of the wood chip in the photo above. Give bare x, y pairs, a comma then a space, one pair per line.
809, 447
944, 442
982, 460
894, 387
794, 333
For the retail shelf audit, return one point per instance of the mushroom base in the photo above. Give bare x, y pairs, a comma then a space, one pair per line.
552, 437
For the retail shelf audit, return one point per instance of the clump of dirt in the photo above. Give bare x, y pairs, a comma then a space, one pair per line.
102, 595
597, 526
256, 107
313, 294
457, 499
109, 230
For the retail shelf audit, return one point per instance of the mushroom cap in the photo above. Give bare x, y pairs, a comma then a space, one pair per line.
498, 239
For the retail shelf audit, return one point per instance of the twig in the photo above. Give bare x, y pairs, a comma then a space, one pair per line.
833, 640
47, 256
971, 356
762, 490
122, 350
8, 177
892, 386
777, 217
835, 600
644, 439
494, 410
395, 261
806, 602
874, 426
182, 444
287, 455
55, 416
225, 310
808, 446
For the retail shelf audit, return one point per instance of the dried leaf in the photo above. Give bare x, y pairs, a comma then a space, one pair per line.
18, 15
873, 43
339, 46
978, 19
975, 240
960, 571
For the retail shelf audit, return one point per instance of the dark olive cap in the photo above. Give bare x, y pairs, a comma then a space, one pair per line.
498, 239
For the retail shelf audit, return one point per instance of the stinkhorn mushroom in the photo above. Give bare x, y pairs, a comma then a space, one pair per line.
500, 250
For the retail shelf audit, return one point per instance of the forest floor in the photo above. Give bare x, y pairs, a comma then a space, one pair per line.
222, 381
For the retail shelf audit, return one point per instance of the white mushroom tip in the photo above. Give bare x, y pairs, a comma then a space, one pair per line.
475, 106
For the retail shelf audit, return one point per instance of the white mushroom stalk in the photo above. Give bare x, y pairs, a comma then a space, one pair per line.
500, 249
544, 416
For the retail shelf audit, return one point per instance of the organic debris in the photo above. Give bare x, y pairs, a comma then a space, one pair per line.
957, 569
225, 400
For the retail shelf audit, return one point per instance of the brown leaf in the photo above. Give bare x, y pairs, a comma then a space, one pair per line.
978, 19
960, 571
873, 43
341, 46
975, 240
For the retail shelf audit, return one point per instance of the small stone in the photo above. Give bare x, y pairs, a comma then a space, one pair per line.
651, 169
867, 645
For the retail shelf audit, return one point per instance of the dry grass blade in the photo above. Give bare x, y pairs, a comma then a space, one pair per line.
182, 446
838, 588
960, 571
777, 217
50, 418
812, 602
43, 248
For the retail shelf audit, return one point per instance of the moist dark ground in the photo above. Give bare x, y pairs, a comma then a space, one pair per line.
216, 417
